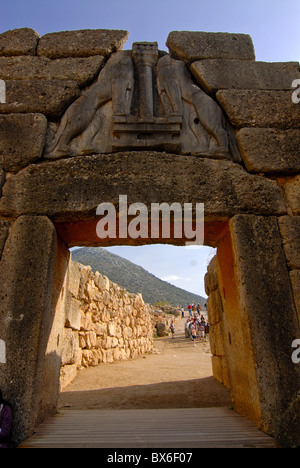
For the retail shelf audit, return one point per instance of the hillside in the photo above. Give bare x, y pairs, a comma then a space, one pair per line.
134, 278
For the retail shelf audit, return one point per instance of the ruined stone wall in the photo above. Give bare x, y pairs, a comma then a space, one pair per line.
103, 323
216, 320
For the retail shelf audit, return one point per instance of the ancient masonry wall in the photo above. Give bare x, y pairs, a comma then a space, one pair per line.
254, 299
215, 317
103, 323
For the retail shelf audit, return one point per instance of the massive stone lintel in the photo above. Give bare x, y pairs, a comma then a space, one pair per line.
71, 189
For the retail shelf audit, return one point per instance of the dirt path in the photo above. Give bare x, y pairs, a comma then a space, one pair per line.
177, 376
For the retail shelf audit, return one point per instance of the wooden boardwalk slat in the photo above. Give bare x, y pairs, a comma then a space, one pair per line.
169, 428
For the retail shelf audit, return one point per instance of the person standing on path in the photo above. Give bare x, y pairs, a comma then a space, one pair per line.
194, 333
172, 328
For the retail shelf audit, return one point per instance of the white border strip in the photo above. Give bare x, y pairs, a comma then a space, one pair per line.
2, 352
2, 92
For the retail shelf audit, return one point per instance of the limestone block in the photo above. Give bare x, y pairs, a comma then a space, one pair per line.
292, 193
117, 354
82, 43
162, 329
192, 46
109, 356
48, 97
216, 334
82, 340
225, 373
112, 329
220, 371
74, 279
105, 316
106, 298
4, 230
26, 280
86, 321
260, 108
70, 347
22, 139
106, 283
100, 328
270, 150
73, 315
214, 307
211, 277
290, 232
88, 358
67, 375
107, 342
91, 339
213, 75
22, 41
114, 342
99, 280
81, 70
127, 332
127, 321
85, 274
139, 303
295, 279
266, 302
124, 355
2, 179
59, 188
89, 292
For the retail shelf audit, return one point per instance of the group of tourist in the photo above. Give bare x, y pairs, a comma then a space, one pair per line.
197, 326
193, 309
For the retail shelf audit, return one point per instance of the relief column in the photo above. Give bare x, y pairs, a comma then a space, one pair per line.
145, 56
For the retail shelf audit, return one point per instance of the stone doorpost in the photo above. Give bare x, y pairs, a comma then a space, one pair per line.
27, 271
260, 323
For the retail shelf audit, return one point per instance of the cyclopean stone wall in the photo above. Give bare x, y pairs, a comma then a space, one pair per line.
103, 323
246, 171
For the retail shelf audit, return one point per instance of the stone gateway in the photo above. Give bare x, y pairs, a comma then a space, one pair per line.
83, 122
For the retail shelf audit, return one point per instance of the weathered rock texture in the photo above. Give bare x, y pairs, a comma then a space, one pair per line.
18, 42
192, 46
27, 270
83, 43
216, 320
252, 331
251, 197
103, 323
55, 188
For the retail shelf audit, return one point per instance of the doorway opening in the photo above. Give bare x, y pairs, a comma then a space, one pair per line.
174, 373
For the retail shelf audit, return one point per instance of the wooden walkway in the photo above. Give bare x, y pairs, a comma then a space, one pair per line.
167, 428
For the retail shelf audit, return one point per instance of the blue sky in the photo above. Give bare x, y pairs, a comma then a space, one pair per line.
272, 24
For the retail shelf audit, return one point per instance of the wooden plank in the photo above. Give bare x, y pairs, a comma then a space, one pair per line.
187, 428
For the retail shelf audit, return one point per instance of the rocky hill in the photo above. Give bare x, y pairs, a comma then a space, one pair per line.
134, 278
